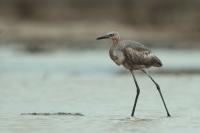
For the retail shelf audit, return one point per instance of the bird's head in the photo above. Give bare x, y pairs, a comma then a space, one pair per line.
110, 35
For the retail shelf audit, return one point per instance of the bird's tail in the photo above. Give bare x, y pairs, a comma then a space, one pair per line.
156, 61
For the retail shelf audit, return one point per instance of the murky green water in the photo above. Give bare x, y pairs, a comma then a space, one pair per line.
89, 83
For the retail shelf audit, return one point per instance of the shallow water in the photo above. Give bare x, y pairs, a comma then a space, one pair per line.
89, 83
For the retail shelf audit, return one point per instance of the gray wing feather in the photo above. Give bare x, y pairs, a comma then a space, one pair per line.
137, 54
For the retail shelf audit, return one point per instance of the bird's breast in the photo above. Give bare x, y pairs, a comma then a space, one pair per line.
117, 56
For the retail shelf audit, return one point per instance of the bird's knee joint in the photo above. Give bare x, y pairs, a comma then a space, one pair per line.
158, 87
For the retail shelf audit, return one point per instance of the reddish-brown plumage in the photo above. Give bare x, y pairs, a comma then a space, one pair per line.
133, 56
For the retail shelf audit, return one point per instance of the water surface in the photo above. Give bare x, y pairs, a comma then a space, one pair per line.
87, 82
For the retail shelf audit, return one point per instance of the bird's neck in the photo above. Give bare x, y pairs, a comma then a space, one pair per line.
115, 41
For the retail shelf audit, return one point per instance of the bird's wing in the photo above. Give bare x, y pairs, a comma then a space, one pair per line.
137, 53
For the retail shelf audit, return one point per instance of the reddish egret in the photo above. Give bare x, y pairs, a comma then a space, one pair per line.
133, 56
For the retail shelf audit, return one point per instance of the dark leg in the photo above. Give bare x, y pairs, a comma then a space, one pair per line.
158, 88
138, 92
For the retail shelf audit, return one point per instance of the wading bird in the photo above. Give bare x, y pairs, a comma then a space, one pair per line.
133, 56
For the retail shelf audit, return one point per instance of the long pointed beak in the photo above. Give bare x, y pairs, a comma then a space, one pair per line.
103, 37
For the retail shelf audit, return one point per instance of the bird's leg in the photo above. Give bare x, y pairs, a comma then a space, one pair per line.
159, 90
137, 94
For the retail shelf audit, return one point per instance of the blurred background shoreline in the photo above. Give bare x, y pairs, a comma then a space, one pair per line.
49, 24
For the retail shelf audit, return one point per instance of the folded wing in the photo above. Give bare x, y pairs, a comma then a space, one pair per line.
140, 55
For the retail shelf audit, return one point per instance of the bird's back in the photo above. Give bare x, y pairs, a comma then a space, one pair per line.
134, 45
